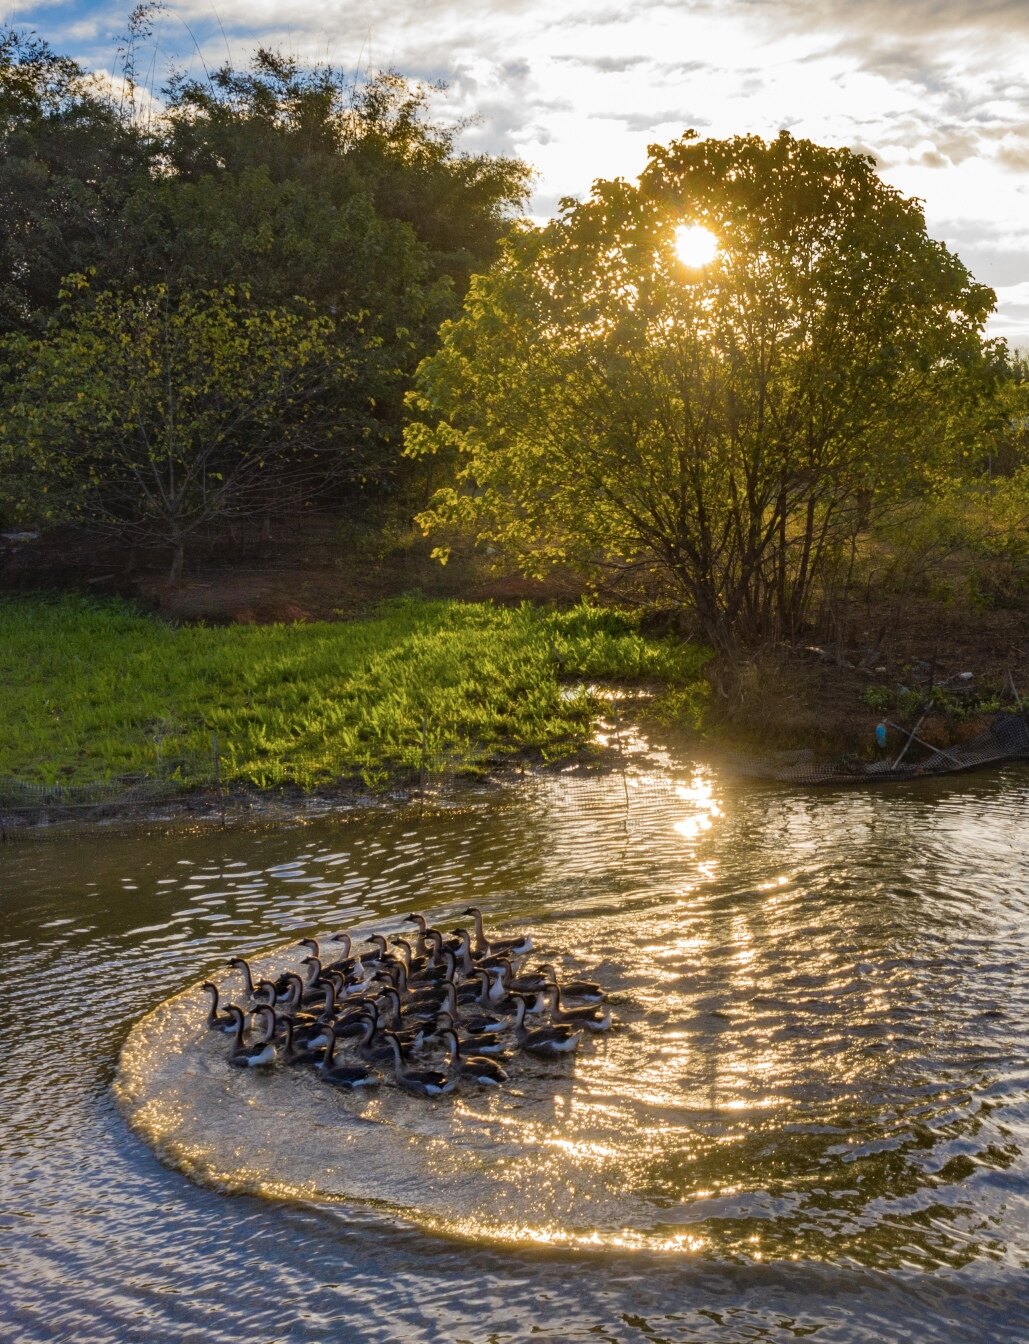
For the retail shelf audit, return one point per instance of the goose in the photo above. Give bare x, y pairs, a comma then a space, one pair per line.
481, 1025
492, 994
345, 965
248, 979
375, 1054
422, 923
529, 984
434, 939
349, 965
428, 1011
413, 964
359, 981
306, 1016
263, 995
347, 962
485, 1045
476, 990
476, 1067
587, 990
312, 991
415, 997
254, 1056
515, 947
289, 990
426, 1082
499, 994
312, 1033
560, 1040
410, 1037
294, 1052
589, 1017
382, 957
350, 1024
218, 1021
461, 946
435, 973
344, 1075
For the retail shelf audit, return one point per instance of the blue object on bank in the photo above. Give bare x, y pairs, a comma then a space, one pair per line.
880, 734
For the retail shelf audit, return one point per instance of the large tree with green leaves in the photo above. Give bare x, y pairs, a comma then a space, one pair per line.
153, 417
69, 162
726, 424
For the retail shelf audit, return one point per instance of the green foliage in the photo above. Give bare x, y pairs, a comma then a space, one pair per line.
151, 415
729, 425
878, 698
298, 185
907, 703
69, 163
95, 688
967, 542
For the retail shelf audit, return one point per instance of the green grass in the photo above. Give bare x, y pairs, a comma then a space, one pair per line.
95, 690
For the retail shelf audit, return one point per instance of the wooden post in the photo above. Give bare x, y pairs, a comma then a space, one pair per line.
218, 777
423, 772
912, 737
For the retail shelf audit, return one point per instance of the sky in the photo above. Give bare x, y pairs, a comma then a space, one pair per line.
936, 90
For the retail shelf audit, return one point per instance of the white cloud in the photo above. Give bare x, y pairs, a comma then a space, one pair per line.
936, 90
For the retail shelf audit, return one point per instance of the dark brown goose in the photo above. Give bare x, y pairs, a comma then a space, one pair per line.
296, 1053
248, 979
261, 1054
560, 1040
590, 1017
218, 1021
586, 990
511, 947
476, 1067
344, 1075
425, 1082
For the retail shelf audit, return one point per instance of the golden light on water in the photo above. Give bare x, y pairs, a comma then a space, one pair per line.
700, 795
695, 246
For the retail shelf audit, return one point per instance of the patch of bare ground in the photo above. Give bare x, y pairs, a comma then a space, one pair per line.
310, 569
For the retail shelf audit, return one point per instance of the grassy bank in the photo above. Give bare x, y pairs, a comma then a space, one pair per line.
96, 690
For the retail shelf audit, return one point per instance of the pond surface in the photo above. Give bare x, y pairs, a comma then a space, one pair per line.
811, 1118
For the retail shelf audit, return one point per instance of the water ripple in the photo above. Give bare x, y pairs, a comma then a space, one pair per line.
820, 1090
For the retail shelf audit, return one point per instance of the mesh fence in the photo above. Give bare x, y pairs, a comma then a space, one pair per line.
203, 786
196, 788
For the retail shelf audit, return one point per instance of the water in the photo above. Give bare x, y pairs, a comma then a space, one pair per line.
811, 1119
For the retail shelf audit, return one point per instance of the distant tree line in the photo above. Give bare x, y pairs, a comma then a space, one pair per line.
214, 308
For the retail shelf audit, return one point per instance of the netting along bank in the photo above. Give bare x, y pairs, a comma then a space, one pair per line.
1006, 738
182, 789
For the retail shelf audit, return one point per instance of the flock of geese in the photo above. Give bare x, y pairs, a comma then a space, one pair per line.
461, 997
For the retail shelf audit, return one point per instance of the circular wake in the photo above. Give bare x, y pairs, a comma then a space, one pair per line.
764, 1093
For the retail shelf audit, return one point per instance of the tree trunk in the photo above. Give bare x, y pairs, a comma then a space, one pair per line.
178, 557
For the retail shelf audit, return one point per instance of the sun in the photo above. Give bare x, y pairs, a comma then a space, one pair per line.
695, 245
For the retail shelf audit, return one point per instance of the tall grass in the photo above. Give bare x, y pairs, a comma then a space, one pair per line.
96, 690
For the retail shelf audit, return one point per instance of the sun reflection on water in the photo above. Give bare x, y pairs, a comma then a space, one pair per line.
781, 1076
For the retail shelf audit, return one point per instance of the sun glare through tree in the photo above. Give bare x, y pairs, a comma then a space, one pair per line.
695, 246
